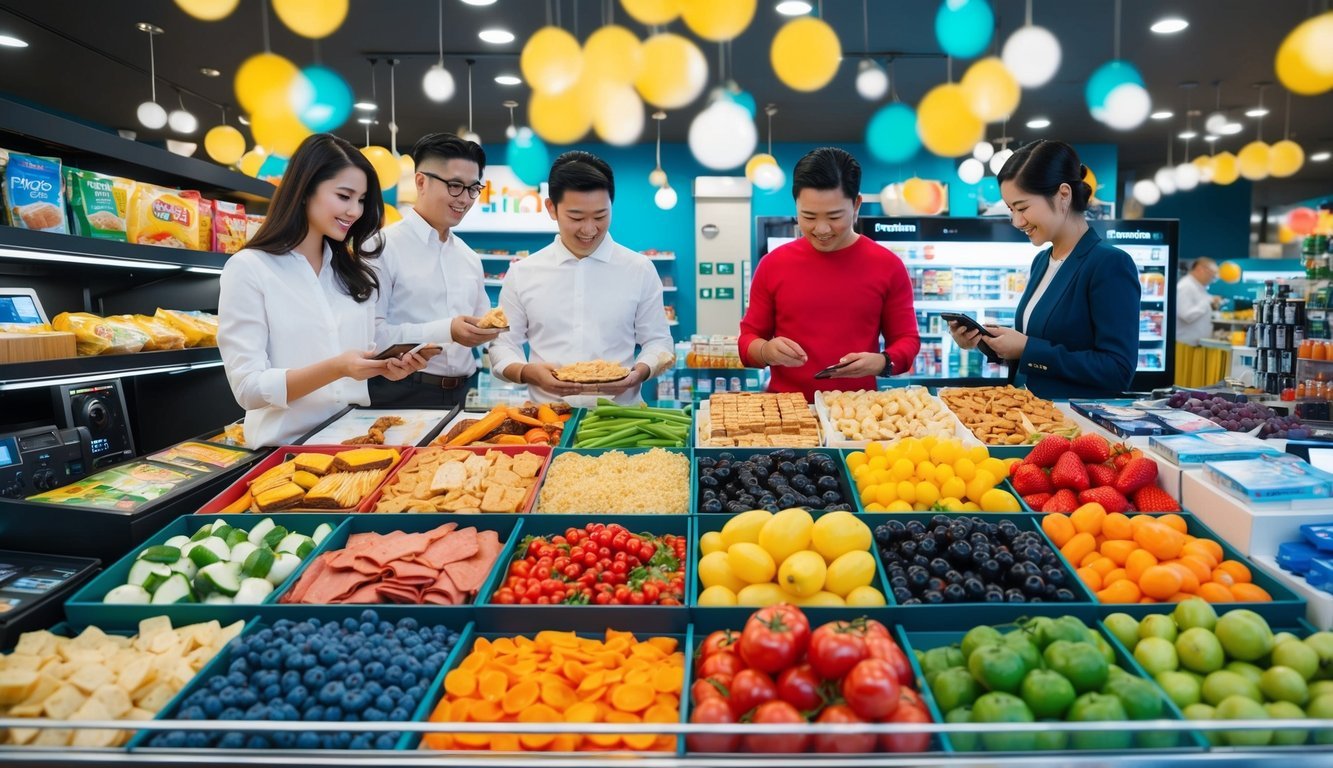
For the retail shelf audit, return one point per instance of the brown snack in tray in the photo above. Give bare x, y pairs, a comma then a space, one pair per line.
375, 434
761, 419
361, 459
591, 372
451, 480
1006, 415
288, 494
342, 490
314, 463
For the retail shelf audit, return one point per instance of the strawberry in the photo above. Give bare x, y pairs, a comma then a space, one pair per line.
1136, 473
1069, 472
1122, 454
1048, 450
1013, 468
1108, 497
1064, 501
1037, 500
1093, 449
1151, 498
1030, 479
1101, 474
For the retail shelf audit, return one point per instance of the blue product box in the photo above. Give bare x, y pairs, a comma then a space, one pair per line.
1272, 478
1211, 446
1296, 556
1319, 536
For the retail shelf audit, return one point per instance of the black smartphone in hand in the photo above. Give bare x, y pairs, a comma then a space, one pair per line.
426, 349
967, 322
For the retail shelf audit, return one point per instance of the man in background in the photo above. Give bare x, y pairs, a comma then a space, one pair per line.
1194, 305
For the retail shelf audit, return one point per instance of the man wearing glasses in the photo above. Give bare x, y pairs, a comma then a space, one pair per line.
431, 282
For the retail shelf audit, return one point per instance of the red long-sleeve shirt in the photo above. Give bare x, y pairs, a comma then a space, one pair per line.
831, 304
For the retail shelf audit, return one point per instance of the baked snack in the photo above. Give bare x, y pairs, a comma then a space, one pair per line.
592, 372
494, 319
361, 459
314, 463
281, 497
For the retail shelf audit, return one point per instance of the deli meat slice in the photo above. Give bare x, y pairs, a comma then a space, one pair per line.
312, 575
444, 592
405, 572
468, 575
458, 545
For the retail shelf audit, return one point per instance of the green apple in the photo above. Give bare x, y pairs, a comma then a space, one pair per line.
1157, 655
1181, 688
1125, 628
1200, 651
1158, 625
1281, 683
1195, 613
1244, 635
1285, 710
1297, 655
1224, 684
1242, 708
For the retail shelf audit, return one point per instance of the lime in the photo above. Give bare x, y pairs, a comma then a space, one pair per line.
1280, 683
1194, 612
954, 688
1244, 635
1098, 707
997, 668
962, 742
999, 707
1182, 689
1158, 625
1245, 669
1242, 708
1321, 709
1298, 656
936, 660
1037, 630
1020, 641
1052, 740
1285, 710
1138, 696
1082, 664
1157, 655
1200, 651
1048, 694
1224, 684
1125, 628
979, 636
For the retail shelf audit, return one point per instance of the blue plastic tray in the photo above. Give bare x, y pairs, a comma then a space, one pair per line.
845, 486
557, 453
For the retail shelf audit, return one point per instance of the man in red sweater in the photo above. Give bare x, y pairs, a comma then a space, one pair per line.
827, 298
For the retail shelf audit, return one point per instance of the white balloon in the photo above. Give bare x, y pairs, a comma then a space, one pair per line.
890, 196
983, 151
723, 136
182, 121
152, 115
971, 170
1127, 106
1216, 123
1146, 192
998, 160
1187, 176
769, 177
470, 136
1165, 179
872, 82
618, 116
438, 83
1032, 56
665, 198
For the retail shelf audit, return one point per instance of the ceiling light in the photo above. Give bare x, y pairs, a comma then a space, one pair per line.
1039, 122
1256, 112
366, 120
204, 270
496, 36
366, 106
9, 41
793, 8
1211, 137
71, 258
1320, 157
1187, 135
209, 72
479, 2
182, 121
1164, 114
508, 79
1231, 129
1169, 26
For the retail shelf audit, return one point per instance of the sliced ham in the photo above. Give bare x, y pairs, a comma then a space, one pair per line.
445, 592
404, 572
471, 573
456, 546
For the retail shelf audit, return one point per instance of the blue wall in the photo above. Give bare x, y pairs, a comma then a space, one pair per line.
1214, 220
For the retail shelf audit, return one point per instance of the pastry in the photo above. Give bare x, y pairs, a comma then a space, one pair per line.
592, 372
314, 463
284, 496
494, 319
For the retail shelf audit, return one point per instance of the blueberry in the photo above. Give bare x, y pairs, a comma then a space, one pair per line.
197, 740
342, 740
1064, 595
338, 671
932, 597
400, 714
217, 684
307, 740
350, 625
237, 679
1014, 596
313, 712
994, 597
257, 711
212, 708
373, 715
314, 678
393, 675
272, 692
192, 713
231, 713
384, 702
333, 713
386, 741
231, 741
374, 670
328, 656
954, 593
330, 693
246, 698
361, 741
901, 594
297, 695
228, 697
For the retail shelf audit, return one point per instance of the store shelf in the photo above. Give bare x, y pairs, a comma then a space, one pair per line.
492, 282
507, 223
1220, 321
52, 247
662, 257
25, 375
669, 288
931, 305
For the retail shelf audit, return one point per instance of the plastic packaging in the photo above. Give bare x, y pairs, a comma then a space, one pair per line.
94, 335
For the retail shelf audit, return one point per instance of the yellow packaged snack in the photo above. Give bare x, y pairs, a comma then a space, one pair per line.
161, 334
94, 335
200, 328
160, 216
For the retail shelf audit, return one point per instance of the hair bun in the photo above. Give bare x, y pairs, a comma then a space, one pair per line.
1083, 171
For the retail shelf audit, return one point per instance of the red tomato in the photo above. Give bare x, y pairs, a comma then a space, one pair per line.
749, 689
712, 711
777, 713
910, 698
799, 687
726, 663
774, 638
842, 742
836, 647
871, 689
717, 686
875, 628
883, 647
906, 742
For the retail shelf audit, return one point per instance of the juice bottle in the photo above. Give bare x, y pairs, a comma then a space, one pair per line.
1319, 351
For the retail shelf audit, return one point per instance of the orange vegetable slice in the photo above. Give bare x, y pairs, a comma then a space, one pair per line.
632, 697
520, 697
668, 679
460, 682
538, 713
557, 694
492, 684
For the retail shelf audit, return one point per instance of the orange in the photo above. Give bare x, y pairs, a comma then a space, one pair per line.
1148, 600
1103, 565
1199, 551
1117, 526
1123, 591
1238, 571
1139, 561
1250, 593
1222, 577
1079, 547
1118, 550
1058, 527
1161, 540
1088, 518
1213, 548
1188, 581
1173, 521
1215, 593
1201, 570
1112, 577
1138, 521
1090, 577
1160, 581
1090, 558
1178, 597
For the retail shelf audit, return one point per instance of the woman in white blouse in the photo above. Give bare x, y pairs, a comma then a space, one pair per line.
296, 323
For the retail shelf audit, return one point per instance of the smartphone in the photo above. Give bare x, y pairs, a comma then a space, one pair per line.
425, 349
967, 322
828, 372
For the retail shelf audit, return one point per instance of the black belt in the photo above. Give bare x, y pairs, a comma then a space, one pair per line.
439, 382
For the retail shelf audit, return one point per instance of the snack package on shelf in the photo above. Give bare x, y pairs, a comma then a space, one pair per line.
205, 221
166, 217
200, 328
161, 334
253, 222
229, 233
34, 196
99, 336
97, 205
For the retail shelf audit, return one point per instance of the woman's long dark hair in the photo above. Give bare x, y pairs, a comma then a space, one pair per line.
319, 158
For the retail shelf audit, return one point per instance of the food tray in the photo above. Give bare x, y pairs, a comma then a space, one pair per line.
528, 501
566, 435
702, 424
834, 438
238, 489
557, 453
422, 425
845, 486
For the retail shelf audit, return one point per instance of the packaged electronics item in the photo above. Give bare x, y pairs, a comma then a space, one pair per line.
161, 334
95, 207
1272, 478
228, 227
1210, 446
166, 217
94, 335
200, 328
33, 195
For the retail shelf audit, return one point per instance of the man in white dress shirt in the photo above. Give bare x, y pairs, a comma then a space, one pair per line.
431, 282
1194, 305
582, 298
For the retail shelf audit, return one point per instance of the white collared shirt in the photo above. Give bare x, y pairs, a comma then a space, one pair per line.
1052, 266
569, 310
275, 314
426, 282
1194, 311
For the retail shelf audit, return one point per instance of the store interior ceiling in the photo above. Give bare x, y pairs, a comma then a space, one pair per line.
88, 60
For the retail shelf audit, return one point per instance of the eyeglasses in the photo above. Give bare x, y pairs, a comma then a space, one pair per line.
455, 187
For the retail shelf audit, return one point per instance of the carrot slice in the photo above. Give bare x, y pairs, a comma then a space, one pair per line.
592, 695
583, 712
668, 679
566, 742
438, 741
475, 661
639, 677
520, 697
557, 694
505, 742
460, 682
472, 740
504, 646
665, 644
483, 711
661, 713
632, 697
538, 713
592, 681
573, 671
666, 700
492, 684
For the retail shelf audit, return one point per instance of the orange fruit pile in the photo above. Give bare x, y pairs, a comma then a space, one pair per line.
1148, 559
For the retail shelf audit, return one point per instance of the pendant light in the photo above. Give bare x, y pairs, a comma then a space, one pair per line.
1031, 54
182, 120
1285, 157
666, 197
438, 83
469, 134
368, 105
872, 82
151, 114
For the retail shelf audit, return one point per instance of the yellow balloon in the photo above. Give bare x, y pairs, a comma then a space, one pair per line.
1284, 234
559, 119
806, 53
1091, 180
386, 166
717, 21
652, 12
925, 197
407, 164
756, 162
674, 71
1253, 160
311, 18
551, 60
250, 161
280, 133
1206, 169
263, 84
991, 92
391, 215
1229, 272
945, 124
618, 115
1324, 224
1225, 168
224, 144
208, 10
1285, 158
613, 54
1304, 60
407, 185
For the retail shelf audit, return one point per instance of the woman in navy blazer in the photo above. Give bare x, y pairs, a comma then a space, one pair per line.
1076, 328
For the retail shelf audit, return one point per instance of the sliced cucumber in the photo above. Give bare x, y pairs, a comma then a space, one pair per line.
147, 574
253, 591
217, 577
175, 589
161, 554
235, 536
178, 542
241, 552
127, 594
186, 566
202, 533
259, 563
260, 530
219, 523
295, 543
216, 546
285, 565
218, 599
275, 536
322, 532
202, 555
222, 531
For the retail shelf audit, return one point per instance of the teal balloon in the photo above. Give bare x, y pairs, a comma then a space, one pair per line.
321, 99
964, 27
743, 98
273, 167
1107, 78
891, 134
528, 157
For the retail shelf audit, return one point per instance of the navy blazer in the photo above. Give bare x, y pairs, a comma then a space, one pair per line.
1083, 339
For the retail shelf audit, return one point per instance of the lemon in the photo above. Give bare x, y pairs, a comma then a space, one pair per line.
950, 504
927, 493
711, 542
925, 471
840, 532
786, 532
751, 563
715, 570
803, 573
994, 466
869, 493
900, 506
717, 595
902, 469
943, 473
996, 500
907, 491
861, 475
874, 507
944, 452
745, 527
873, 450
916, 452
760, 595
970, 506
953, 487
964, 469
983, 481
886, 493
851, 570
978, 454
878, 463
865, 597
820, 600
856, 459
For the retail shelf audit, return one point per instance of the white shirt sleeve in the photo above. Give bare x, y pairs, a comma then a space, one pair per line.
1193, 300
386, 333
243, 335
651, 332
507, 348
